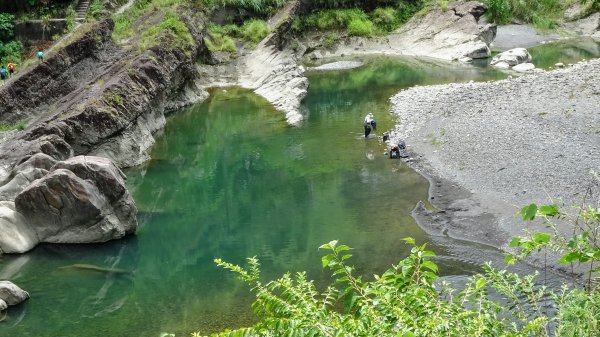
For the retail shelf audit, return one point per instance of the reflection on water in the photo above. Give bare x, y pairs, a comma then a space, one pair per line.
229, 179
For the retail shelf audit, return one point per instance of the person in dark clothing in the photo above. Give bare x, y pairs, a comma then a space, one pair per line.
3, 73
394, 151
367, 129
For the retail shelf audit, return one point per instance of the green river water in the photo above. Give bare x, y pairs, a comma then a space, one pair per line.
228, 178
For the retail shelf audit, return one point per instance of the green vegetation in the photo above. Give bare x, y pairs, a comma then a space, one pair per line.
222, 37
408, 300
357, 22
260, 7
218, 42
10, 50
543, 14
254, 31
126, 22
171, 26
20, 125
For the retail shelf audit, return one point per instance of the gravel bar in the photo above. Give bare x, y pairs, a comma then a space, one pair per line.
489, 148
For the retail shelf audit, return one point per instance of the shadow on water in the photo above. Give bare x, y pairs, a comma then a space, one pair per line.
233, 181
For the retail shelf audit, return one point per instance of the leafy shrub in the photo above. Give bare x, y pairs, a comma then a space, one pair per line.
254, 31
385, 18
6, 26
263, 7
499, 11
96, 10
11, 52
404, 301
543, 13
334, 18
358, 27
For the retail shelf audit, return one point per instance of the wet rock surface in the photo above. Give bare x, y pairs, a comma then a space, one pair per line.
501, 145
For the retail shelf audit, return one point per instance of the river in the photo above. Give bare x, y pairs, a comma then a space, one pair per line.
229, 179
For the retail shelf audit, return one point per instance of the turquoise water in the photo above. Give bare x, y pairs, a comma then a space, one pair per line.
230, 179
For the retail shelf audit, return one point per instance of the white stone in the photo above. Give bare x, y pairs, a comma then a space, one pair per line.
524, 67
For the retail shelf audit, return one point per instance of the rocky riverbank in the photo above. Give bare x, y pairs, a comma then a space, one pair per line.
490, 148
448, 34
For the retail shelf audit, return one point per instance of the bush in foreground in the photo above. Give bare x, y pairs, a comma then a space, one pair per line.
408, 300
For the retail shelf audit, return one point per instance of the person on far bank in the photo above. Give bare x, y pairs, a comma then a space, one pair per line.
3, 74
11, 69
40, 56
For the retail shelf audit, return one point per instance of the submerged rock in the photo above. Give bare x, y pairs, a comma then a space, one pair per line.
11, 293
340, 65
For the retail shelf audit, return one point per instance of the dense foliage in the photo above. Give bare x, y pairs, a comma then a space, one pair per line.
543, 14
260, 7
10, 51
408, 299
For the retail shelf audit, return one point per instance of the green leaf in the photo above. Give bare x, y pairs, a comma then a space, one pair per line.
480, 283
408, 334
409, 240
325, 260
342, 248
330, 245
549, 210
509, 259
541, 238
515, 242
528, 212
430, 265
570, 257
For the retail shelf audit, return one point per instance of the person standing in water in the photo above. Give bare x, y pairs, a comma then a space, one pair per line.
368, 124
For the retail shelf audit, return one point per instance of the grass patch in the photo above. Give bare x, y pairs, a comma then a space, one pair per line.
125, 23
218, 42
172, 26
261, 7
20, 125
254, 31
542, 14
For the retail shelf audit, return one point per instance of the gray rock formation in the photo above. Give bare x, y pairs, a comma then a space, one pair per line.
17, 236
589, 26
11, 293
273, 73
449, 34
511, 58
83, 199
524, 67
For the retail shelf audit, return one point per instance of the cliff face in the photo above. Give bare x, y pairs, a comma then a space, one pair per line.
92, 95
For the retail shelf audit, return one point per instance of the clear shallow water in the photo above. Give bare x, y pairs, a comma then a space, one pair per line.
229, 179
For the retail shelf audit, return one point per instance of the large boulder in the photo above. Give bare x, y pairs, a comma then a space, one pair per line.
83, 199
11, 293
30, 169
451, 33
17, 236
512, 57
